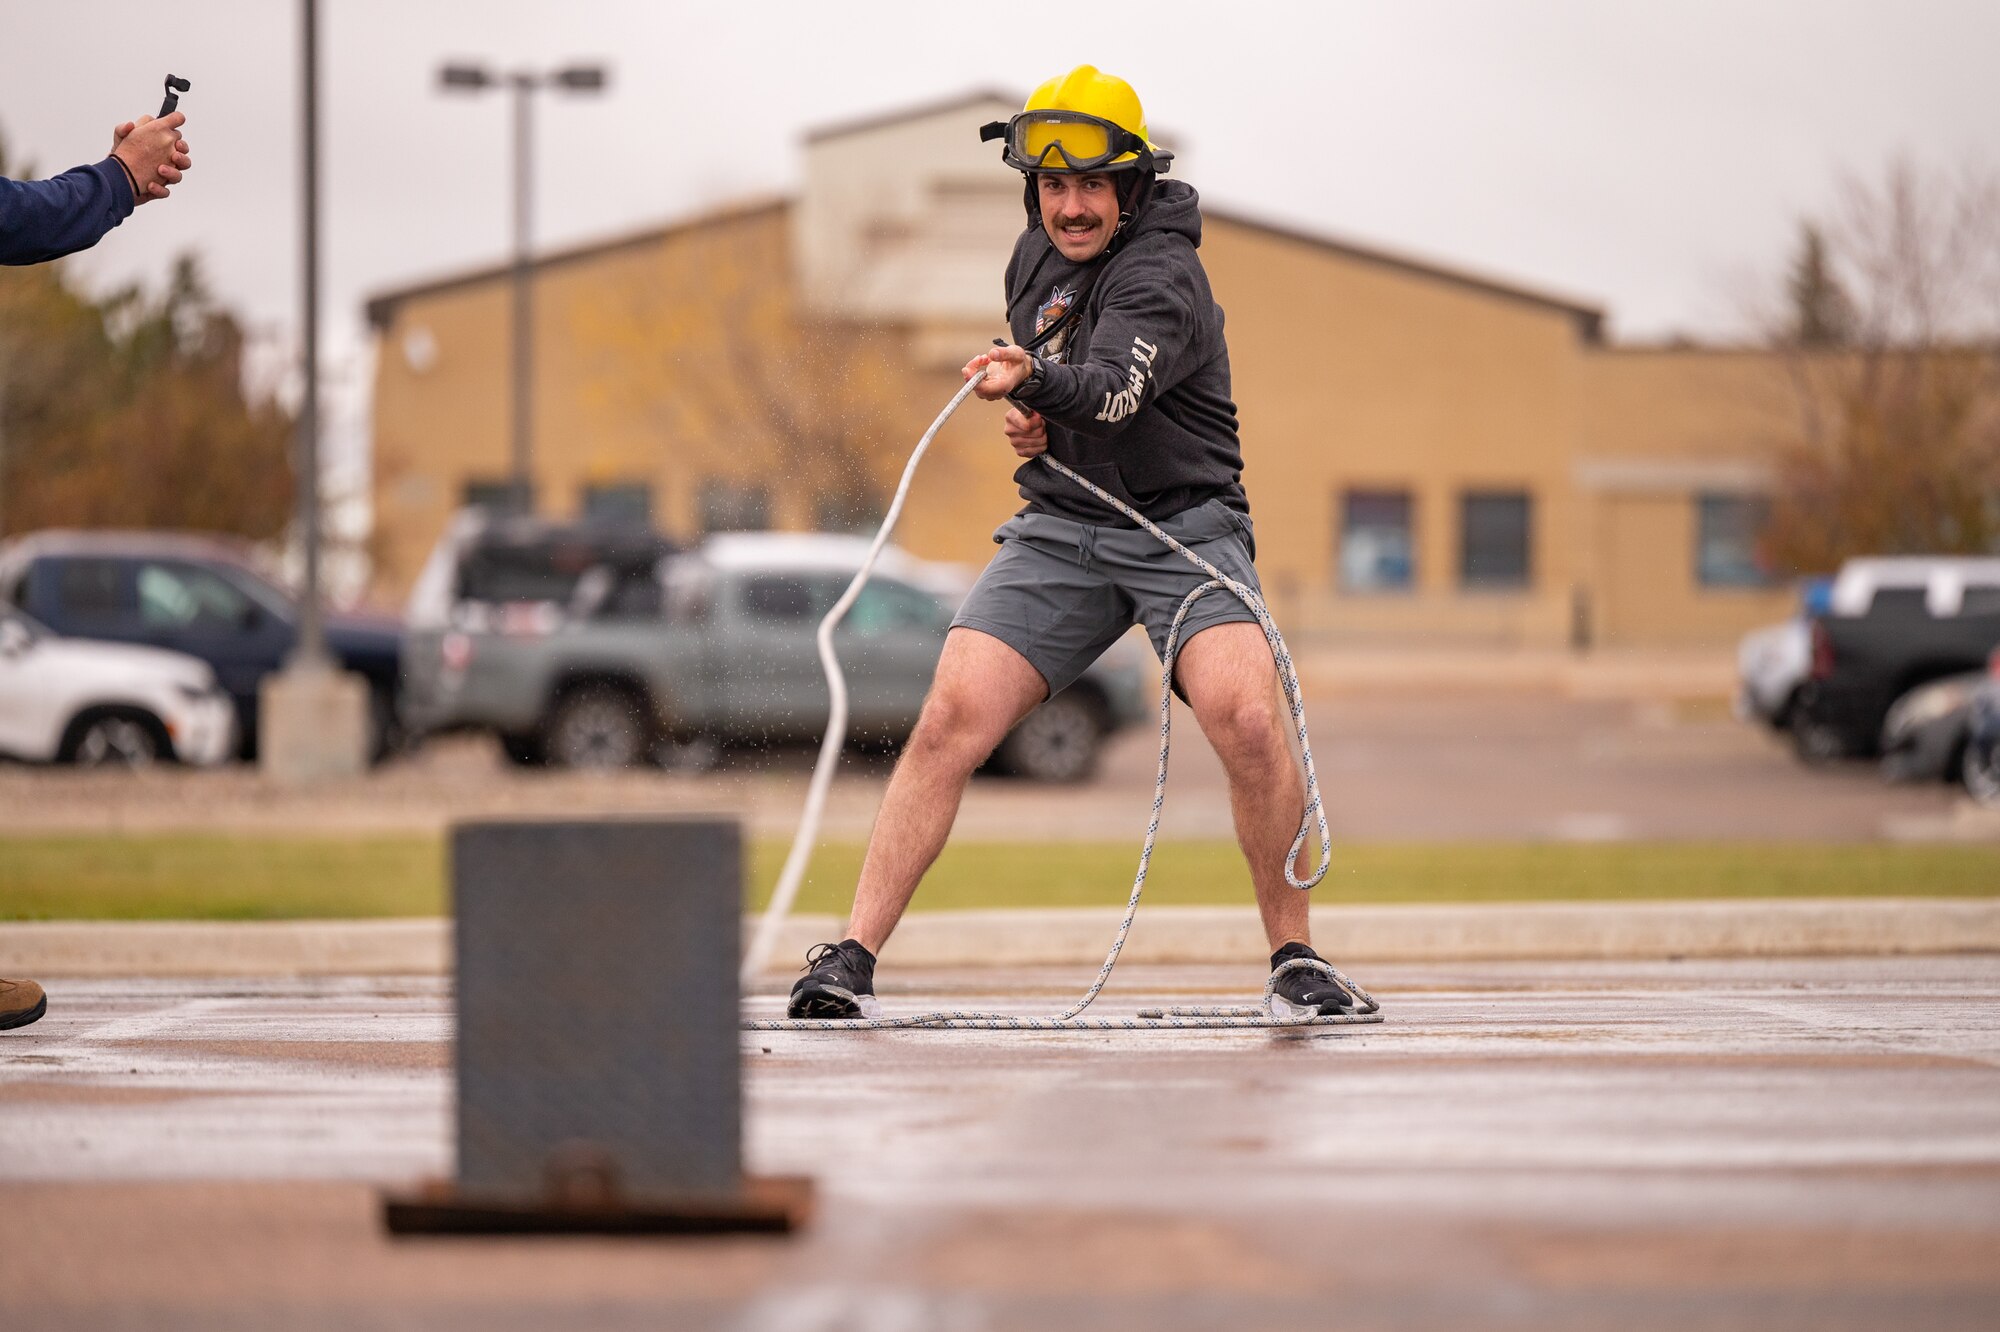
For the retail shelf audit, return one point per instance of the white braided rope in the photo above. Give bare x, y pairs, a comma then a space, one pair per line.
807, 837
1368, 1010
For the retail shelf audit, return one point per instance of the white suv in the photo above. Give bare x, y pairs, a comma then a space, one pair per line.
76, 701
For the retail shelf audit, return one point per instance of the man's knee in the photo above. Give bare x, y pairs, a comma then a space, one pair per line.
982, 688
956, 724
1245, 728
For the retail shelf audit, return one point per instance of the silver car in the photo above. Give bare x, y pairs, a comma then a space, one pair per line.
716, 646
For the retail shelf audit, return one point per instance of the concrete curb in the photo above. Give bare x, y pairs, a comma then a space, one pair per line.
1570, 931
81, 948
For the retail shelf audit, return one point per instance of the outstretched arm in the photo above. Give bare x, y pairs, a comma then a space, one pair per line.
47, 219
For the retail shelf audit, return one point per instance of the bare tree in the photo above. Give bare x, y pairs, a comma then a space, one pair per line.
1821, 313
1897, 373
715, 353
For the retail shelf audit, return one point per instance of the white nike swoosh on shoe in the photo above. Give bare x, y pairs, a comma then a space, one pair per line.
1285, 1008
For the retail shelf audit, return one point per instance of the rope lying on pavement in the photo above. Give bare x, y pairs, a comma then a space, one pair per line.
1367, 1009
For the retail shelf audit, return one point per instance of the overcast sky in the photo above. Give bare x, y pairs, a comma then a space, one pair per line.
1652, 157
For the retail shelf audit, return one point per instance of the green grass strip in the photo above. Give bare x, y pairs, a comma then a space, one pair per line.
214, 877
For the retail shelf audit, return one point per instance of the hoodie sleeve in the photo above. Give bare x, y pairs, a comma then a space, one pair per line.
47, 219
1140, 338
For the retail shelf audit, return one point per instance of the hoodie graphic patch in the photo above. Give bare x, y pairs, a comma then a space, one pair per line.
1060, 300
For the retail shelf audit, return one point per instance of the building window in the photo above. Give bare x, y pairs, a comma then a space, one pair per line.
498, 497
625, 503
732, 506
1377, 541
1728, 529
1494, 539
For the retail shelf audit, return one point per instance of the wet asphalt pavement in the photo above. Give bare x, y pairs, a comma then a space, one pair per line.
1755, 1144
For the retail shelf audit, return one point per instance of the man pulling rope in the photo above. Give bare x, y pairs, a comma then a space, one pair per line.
1119, 373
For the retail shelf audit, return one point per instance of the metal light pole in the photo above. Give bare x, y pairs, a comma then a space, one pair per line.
522, 83
312, 634
312, 717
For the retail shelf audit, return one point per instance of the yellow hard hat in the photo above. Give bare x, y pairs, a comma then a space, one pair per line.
1084, 120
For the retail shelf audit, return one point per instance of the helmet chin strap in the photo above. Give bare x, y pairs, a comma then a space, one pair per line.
1135, 207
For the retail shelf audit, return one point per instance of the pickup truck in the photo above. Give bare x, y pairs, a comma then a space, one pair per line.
1892, 626
716, 647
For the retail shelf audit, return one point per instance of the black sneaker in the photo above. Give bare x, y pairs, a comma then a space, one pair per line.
839, 983
1307, 991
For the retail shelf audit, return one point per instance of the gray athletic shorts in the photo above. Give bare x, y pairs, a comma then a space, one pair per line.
1061, 592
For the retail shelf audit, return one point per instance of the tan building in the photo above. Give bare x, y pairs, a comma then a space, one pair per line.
1430, 456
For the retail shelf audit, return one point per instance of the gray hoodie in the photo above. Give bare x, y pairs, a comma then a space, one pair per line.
1136, 389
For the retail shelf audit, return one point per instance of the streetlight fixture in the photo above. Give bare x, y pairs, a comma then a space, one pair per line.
461, 77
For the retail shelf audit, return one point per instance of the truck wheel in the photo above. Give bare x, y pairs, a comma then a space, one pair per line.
1057, 742
1816, 743
599, 726
115, 740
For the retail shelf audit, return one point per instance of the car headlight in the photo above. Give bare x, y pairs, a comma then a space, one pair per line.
1929, 705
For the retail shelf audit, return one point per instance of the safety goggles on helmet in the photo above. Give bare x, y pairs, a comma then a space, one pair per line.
1071, 141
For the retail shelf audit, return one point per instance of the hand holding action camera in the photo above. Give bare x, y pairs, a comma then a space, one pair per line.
151, 148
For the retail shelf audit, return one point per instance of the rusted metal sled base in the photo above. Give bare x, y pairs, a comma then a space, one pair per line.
768, 1204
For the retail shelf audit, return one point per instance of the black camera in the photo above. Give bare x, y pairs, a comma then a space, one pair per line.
175, 87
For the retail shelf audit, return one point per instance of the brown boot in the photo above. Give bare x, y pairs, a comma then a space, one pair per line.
21, 1002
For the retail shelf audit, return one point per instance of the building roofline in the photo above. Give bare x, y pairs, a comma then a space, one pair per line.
1589, 318
381, 307
878, 119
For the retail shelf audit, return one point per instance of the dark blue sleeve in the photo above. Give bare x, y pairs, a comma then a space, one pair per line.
47, 219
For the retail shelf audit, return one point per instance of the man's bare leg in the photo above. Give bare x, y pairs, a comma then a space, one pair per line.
1232, 684
981, 689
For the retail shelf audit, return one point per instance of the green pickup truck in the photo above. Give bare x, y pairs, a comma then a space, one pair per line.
579, 651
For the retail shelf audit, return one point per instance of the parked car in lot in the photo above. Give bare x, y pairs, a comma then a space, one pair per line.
1891, 626
101, 704
193, 594
1981, 762
717, 647
1923, 737
1773, 663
